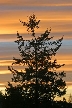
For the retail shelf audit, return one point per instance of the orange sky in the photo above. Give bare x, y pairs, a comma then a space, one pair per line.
56, 14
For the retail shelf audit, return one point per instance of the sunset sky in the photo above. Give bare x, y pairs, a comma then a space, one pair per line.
56, 14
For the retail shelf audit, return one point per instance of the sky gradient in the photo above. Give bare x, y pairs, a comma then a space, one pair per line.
52, 13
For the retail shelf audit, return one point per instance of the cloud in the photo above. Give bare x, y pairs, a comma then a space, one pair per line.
35, 2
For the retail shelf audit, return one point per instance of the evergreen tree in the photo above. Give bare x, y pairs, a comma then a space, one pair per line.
39, 82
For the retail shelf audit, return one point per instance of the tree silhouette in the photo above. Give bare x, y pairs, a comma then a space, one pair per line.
70, 98
13, 97
39, 82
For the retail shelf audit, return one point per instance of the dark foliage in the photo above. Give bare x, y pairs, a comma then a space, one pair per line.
39, 83
2, 99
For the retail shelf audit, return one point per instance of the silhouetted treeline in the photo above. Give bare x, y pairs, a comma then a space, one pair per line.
15, 100
7, 102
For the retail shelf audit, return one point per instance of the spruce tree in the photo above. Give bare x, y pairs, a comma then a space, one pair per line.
39, 82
